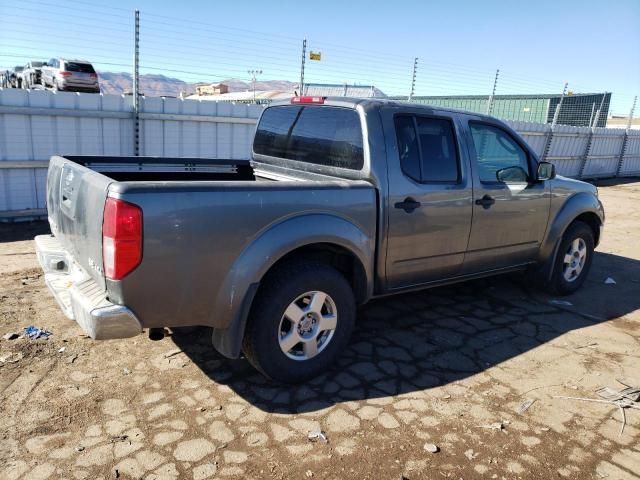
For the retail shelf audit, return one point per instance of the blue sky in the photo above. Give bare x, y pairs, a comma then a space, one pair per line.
538, 45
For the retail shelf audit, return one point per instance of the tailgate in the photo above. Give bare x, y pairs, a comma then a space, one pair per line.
75, 204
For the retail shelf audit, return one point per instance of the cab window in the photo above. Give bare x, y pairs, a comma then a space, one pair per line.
427, 149
497, 150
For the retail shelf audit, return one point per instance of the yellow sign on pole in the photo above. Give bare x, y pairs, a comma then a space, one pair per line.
315, 55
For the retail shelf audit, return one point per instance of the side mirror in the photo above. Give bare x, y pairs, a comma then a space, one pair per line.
512, 175
546, 171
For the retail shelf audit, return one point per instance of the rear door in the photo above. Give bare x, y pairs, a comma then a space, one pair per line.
509, 215
429, 200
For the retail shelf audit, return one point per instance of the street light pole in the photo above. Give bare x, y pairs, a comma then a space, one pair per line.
254, 74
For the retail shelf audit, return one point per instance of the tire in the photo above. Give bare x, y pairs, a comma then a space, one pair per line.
298, 288
568, 277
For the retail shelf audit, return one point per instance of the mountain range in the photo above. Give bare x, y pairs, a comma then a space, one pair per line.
160, 85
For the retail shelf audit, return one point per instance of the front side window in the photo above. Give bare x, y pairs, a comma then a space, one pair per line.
321, 135
496, 151
427, 149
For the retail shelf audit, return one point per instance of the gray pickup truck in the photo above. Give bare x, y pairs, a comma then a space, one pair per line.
344, 200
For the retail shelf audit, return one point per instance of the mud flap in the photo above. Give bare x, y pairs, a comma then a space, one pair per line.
228, 341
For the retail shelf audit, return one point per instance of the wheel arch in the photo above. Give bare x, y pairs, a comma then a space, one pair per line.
581, 207
319, 237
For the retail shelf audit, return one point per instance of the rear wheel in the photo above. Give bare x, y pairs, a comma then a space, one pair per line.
573, 260
301, 320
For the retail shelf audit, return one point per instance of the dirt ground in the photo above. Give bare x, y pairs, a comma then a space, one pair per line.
449, 366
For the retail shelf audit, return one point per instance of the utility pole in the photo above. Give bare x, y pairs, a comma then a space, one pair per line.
413, 79
254, 74
136, 86
304, 56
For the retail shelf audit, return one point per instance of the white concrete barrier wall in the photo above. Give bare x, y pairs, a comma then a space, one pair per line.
604, 154
535, 134
171, 127
631, 162
37, 124
34, 125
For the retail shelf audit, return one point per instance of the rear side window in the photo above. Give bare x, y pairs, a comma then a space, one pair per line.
427, 149
79, 67
330, 136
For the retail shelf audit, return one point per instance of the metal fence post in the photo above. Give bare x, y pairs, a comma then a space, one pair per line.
304, 56
625, 139
587, 150
556, 114
136, 86
413, 79
554, 121
493, 93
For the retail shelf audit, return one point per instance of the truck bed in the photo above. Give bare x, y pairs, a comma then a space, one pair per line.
126, 169
200, 217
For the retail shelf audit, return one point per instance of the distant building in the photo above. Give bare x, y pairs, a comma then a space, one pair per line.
621, 121
212, 89
578, 109
342, 90
313, 89
261, 96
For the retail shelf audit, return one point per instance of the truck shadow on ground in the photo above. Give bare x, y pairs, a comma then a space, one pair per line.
21, 231
425, 339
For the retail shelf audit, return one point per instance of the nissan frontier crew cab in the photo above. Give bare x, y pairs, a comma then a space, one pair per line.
343, 200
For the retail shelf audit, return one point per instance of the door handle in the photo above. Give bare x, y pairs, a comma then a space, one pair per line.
408, 205
485, 201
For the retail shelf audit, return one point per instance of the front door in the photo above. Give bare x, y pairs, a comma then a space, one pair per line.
429, 201
510, 213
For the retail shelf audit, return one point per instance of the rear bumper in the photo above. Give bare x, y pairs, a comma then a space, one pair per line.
81, 89
80, 297
79, 86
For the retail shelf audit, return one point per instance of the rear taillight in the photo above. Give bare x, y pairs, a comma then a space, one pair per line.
66, 74
121, 238
307, 99
93, 75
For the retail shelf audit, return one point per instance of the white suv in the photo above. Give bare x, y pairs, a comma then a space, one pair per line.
72, 75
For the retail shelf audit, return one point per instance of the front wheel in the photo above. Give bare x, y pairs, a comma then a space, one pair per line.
301, 320
573, 260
